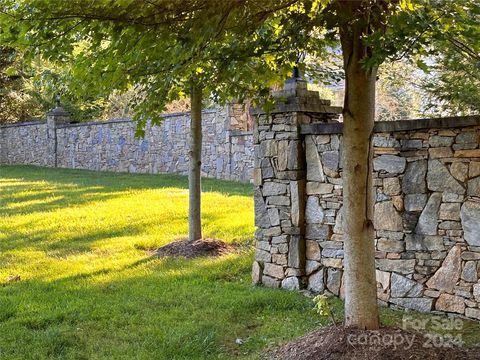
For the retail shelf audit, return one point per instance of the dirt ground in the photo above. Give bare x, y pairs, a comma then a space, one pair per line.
338, 343
193, 249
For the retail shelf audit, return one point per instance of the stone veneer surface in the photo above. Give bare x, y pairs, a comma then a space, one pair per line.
111, 146
427, 208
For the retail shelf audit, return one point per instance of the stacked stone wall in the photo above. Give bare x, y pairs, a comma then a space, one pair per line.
112, 146
427, 218
427, 209
25, 144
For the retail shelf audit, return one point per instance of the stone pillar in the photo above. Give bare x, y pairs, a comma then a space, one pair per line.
280, 182
55, 117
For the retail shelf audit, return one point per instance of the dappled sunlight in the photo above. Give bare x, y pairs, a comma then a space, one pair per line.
24, 204
87, 285
207, 298
60, 228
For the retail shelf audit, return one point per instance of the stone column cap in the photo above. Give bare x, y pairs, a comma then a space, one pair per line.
59, 115
295, 97
58, 111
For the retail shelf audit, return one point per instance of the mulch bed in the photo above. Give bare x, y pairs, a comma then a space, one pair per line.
193, 249
338, 343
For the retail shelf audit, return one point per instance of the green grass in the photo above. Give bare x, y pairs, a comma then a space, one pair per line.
89, 290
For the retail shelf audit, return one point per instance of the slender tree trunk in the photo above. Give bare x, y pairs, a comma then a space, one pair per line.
195, 160
361, 309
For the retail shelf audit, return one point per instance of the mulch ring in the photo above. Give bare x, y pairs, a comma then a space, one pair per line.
193, 249
339, 343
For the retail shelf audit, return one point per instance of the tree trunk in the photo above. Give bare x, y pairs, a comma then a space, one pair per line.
361, 310
195, 160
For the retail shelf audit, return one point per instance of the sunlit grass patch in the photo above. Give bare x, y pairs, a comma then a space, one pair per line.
88, 289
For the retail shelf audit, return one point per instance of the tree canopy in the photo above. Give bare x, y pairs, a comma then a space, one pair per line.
233, 48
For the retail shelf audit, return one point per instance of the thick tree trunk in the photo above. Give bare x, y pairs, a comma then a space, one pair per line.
195, 159
361, 310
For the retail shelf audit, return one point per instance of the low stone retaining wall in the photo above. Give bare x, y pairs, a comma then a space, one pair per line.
111, 146
427, 211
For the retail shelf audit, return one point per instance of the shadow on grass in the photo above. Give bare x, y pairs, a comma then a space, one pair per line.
69, 244
118, 181
51, 189
157, 308
150, 308
29, 190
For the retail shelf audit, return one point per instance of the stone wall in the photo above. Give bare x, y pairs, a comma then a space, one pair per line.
25, 144
427, 210
112, 146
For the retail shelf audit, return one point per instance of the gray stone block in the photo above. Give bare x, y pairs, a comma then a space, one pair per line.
272, 231
402, 287
263, 256
262, 219
440, 141
334, 280
400, 266
428, 221
415, 202
291, 283
296, 252
270, 282
257, 273
414, 180
390, 163
474, 187
391, 186
314, 165
470, 215
467, 137
271, 188
450, 211
263, 245
408, 144
282, 155
332, 253
278, 200
390, 245
316, 282
318, 232
385, 142
450, 303
313, 212
440, 179
469, 272
472, 313
330, 160
273, 215
295, 158
297, 193
418, 304
470, 255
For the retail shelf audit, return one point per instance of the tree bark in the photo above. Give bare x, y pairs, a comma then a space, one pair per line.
195, 160
361, 309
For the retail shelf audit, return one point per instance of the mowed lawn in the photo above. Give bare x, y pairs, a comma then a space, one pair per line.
88, 289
